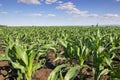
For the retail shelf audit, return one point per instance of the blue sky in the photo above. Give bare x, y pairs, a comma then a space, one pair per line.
59, 12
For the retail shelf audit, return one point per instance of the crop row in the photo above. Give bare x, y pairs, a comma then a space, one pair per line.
94, 48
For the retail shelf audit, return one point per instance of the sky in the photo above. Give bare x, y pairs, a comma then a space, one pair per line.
59, 12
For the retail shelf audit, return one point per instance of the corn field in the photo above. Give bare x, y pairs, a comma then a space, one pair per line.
79, 53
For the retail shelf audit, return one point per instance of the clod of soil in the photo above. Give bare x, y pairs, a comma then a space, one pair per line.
42, 74
4, 63
1, 77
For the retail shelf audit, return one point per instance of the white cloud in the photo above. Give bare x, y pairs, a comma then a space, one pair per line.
60, 2
93, 15
3, 12
118, 0
50, 1
111, 15
35, 15
66, 6
70, 8
36, 2
109, 20
52, 15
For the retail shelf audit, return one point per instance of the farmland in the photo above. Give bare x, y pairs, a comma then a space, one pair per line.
60, 53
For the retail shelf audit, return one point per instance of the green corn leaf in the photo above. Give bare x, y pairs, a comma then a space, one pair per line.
36, 66
116, 73
54, 74
40, 53
114, 49
63, 43
59, 58
61, 77
20, 52
100, 49
108, 61
72, 73
18, 66
78, 51
115, 79
20, 77
54, 49
47, 46
103, 72
30, 63
3, 57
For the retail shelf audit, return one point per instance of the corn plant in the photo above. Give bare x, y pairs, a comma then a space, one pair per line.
22, 59
100, 43
99, 56
82, 50
115, 75
71, 72
68, 50
99, 60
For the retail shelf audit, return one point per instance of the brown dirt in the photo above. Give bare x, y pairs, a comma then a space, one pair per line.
1, 51
3, 69
42, 74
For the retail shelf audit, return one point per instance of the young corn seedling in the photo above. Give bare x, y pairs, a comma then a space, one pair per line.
99, 56
115, 75
82, 51
71, 73
22, 59
68, 50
